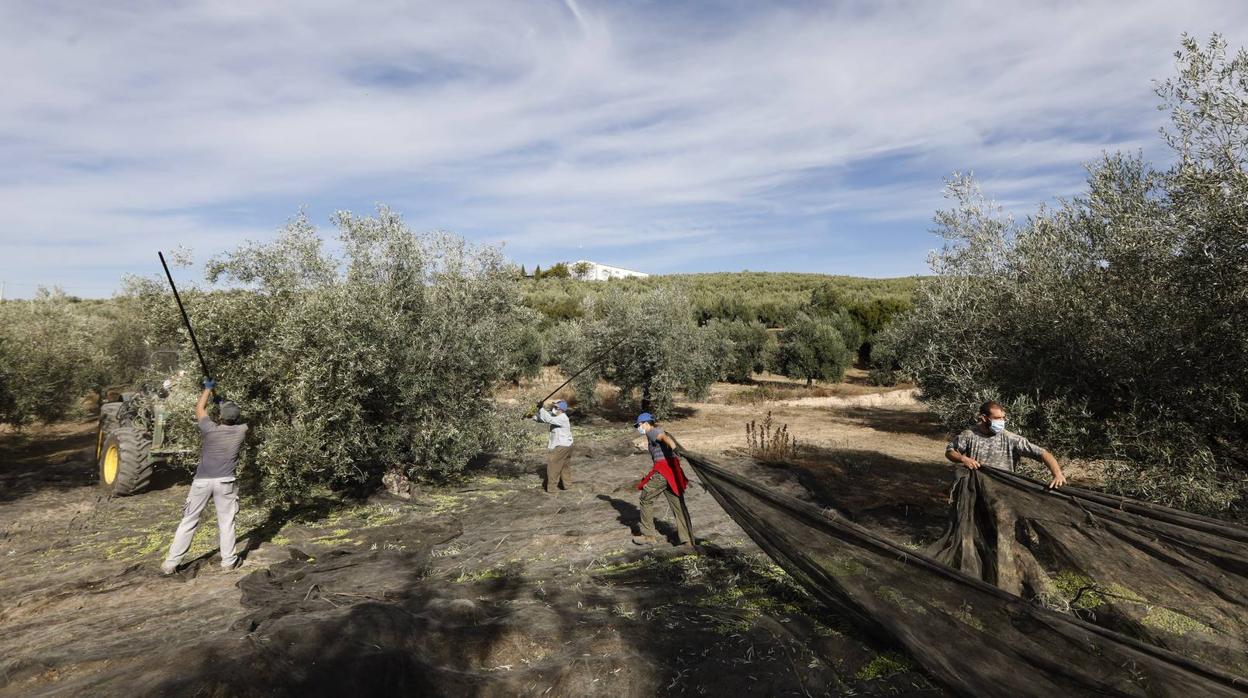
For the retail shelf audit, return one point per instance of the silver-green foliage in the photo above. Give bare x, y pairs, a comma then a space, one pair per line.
816, 348
348, 364
1113, 324
744, 348
527, 346
656, 349
55, 349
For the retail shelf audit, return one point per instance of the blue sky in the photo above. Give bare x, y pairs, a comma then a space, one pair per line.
666, 137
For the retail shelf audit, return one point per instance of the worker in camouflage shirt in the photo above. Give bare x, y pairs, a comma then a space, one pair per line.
987, 443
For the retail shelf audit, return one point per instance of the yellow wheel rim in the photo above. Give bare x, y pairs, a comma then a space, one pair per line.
112, 457
99, 444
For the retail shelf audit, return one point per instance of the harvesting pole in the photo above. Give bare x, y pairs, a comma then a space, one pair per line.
585, 368
186, 320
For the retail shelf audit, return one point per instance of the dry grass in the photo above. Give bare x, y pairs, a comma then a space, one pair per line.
769, 442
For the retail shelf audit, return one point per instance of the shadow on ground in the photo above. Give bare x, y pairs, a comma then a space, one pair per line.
40, 459
630, 518
488, 589
59, 458
892, 420
907, 501
374, 623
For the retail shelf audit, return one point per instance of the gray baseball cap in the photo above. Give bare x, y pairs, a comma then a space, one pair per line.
230, 412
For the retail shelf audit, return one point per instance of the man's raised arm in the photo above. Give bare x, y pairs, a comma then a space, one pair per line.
201, 407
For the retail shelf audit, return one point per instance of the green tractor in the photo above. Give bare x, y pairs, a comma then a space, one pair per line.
134, 439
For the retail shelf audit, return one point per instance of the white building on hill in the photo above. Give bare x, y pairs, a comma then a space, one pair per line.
593, 271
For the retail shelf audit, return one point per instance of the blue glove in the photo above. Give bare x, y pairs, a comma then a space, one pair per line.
209, 384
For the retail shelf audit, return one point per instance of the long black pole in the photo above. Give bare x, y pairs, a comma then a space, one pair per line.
585, 368
186, 320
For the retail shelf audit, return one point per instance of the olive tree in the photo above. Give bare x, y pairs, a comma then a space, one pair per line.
349, 364
1110, 325
582, 270
813, 348
653, 349
743, 347
869, 315
56, 350
525, 346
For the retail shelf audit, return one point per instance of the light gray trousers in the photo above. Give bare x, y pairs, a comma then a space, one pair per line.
224, 493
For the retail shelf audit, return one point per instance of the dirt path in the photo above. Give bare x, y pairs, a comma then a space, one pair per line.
489, 588
893, 424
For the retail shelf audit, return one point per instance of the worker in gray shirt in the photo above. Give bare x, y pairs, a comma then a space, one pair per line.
988, 444
559, 445
214, 479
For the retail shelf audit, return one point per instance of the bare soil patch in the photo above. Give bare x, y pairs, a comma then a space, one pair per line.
489, 587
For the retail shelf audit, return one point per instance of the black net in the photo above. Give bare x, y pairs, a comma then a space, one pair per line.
982, 639
1164, 576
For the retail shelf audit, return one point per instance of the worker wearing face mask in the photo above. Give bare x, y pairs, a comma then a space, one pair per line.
670, 483
559, 446
987, 443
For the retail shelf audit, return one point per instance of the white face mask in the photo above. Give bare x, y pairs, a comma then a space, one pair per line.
641, 430
996, 425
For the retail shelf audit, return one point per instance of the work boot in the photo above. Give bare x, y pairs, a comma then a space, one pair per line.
645, 540
168, 568
238, 562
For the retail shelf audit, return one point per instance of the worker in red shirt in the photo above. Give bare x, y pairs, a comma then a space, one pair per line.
671, 484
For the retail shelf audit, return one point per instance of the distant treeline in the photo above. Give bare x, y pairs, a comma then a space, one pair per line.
772, 298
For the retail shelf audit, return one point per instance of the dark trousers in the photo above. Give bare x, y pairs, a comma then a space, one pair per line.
658, 487
559, 468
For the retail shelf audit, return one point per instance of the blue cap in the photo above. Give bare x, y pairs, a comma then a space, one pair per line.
562, 404
643, 417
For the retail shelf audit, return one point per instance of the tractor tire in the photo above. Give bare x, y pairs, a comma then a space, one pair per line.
125, 465
108, 421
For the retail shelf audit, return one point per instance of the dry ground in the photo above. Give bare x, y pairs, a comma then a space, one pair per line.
500, 588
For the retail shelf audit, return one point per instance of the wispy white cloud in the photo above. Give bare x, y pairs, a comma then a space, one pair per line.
667, 136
